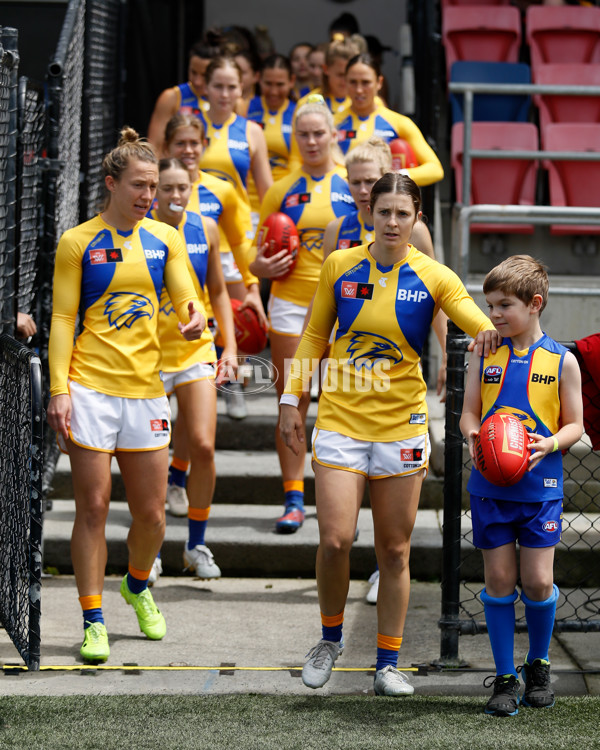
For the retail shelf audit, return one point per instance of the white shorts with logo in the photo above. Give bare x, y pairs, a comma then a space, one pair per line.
230, 269
111, 423
286, 318
372, 459
197, 371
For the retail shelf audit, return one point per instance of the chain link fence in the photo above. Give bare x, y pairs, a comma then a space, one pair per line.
576, 569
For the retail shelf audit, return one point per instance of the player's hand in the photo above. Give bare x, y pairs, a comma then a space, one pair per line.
193, 330
227, 366
485, 342
269, 268
539, 446
58, 414
291, 427
26, 327
253, 300
441, 383
471, 440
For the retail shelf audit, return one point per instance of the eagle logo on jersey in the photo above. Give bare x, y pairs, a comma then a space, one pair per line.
311, 238
124, 308
522, 416
365, 349
166, 306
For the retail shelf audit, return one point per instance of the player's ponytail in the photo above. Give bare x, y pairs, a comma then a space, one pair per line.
374, 150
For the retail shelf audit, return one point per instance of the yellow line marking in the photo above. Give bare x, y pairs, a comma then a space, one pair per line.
132, 668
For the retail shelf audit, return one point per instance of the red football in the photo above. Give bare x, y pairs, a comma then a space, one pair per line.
280, 232
250, 335
403, 157
501, 449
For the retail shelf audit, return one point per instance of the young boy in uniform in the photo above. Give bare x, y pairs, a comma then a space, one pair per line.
537, 380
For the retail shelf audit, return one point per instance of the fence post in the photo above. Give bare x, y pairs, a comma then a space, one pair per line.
456, 345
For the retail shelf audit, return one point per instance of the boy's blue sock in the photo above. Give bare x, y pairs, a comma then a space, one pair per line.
540, 623
500, 619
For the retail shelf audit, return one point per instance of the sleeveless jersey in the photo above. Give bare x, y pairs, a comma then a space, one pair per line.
352, 231
277, 127
374, 389
116, 278
227, 154
526, 385
177, 353
388, 126
189, 102
311, 203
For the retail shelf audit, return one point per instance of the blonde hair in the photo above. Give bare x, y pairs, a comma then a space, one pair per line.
521, 276
345, 48
374, 150
130, 147
183, 120
320, 108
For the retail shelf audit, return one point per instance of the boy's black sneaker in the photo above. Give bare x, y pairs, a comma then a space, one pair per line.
505, 700
538, 691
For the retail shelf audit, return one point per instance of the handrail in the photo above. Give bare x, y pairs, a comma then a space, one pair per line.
518, 214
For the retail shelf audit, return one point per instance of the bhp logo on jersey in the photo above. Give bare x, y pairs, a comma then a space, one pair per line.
537, 377
406, 295
159, 425
355, 290
110, 255
550, 526
492, 374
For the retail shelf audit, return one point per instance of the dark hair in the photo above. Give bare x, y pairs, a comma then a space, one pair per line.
183, 120
129, 148
301, 44
399, 184
276, 61
170, 162
211, 45
251, 57
365, 59
346, 23
221, 61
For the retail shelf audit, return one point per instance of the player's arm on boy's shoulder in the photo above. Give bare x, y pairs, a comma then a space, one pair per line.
571, 414
470, 421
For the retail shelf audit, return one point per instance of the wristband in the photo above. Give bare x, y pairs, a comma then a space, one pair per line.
555, 444
289, 399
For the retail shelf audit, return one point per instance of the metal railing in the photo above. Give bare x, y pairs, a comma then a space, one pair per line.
466, 213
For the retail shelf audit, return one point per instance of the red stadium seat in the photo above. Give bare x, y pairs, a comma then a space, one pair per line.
557, 108
563, 34
481, 33
507, 182
573, 183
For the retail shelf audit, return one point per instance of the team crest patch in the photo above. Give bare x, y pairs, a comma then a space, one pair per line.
356, 290
550, 482
297, 199
159, 425
108, 255
344, 135
411, 454
347, 244
418, 419
550, 526
492, 374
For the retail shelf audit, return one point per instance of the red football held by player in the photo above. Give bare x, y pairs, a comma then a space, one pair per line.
501, 449
280, 233
250, 334
403, 157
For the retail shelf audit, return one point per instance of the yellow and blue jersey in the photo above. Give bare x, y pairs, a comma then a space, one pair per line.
277, 127
525, 384
374, 389
311, 203
352, 231
189, 101
389, 125
115, 279
227, 154
178, 353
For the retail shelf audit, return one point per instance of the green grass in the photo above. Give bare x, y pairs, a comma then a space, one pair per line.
289, 722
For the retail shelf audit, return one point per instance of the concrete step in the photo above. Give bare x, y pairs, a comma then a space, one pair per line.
244, 543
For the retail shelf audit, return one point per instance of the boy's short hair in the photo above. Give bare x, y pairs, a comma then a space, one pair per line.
520, 275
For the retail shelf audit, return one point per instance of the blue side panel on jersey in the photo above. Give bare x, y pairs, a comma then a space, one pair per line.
239, 156
210, 205
96, 278
342, 202
294, 212
156, 265
345, 124
256, 110
288, 119
350, 228
384, 130
414, 308
348, 309
195, 239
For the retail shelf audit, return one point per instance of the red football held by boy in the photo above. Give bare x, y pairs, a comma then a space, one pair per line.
280, 233
403, 157
502, 449
250, 334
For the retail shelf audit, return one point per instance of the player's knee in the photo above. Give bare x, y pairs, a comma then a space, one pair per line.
499, 582
333, 546
394, 556
202, 449
539, 589
93, 513
152, 518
